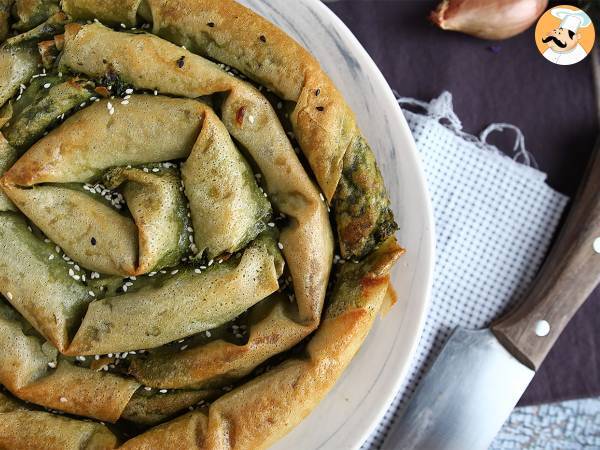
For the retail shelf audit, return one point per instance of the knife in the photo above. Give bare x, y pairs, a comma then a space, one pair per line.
480, 375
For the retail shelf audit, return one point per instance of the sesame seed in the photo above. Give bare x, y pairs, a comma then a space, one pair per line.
71, 272
174, 271
280, 245
82, 105
57, 248
210, 263
155, 92
63, 399
183, 347
91, 293
321, 195
47, 85
52, 364
155, 169
109, 105
163, 391
271, 224
125, 102
129, 91
111, 111
147, 388
197, 271
123, 26
80, 358
208, 334
124, 287
251, 119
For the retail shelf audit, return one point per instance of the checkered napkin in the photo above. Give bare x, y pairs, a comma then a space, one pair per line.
494, 219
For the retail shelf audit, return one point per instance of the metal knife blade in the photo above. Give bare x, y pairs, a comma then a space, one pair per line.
473, 386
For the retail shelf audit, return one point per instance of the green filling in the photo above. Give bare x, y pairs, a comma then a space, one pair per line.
361, 205
41, 106
54, 25
33, 12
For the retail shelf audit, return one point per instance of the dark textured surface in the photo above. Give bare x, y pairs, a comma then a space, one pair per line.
507, 81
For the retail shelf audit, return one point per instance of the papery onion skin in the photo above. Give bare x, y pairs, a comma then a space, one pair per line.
488, 19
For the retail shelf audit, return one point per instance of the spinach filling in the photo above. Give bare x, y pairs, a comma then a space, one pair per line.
361, 205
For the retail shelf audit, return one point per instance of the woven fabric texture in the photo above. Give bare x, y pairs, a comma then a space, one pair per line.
495, 218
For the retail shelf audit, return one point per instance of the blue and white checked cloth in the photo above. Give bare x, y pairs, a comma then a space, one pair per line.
494, 219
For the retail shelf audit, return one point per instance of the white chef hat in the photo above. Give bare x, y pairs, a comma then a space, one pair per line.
571, 20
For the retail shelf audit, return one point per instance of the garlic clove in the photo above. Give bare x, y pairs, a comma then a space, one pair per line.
488, 19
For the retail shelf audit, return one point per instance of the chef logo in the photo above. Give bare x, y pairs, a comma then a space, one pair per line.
564, 35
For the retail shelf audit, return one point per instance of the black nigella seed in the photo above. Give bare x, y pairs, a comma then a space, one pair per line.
320, 108
181, 62
93, 240
211, 24
263, 39
318, 92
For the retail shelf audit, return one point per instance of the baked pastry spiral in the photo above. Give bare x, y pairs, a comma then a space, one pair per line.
177, 178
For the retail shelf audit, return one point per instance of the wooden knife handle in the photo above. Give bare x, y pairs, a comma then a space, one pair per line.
569, 275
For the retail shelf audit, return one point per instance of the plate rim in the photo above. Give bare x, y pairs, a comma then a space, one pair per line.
426, 253
429, 232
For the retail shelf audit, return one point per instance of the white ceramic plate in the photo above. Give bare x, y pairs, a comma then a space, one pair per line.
346, 417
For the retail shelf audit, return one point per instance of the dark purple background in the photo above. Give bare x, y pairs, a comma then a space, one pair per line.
555, 107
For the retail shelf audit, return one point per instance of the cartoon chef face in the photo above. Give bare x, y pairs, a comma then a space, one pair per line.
562, 39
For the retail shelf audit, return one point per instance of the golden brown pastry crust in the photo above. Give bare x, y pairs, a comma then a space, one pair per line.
323, 122
23, 429
259, 412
